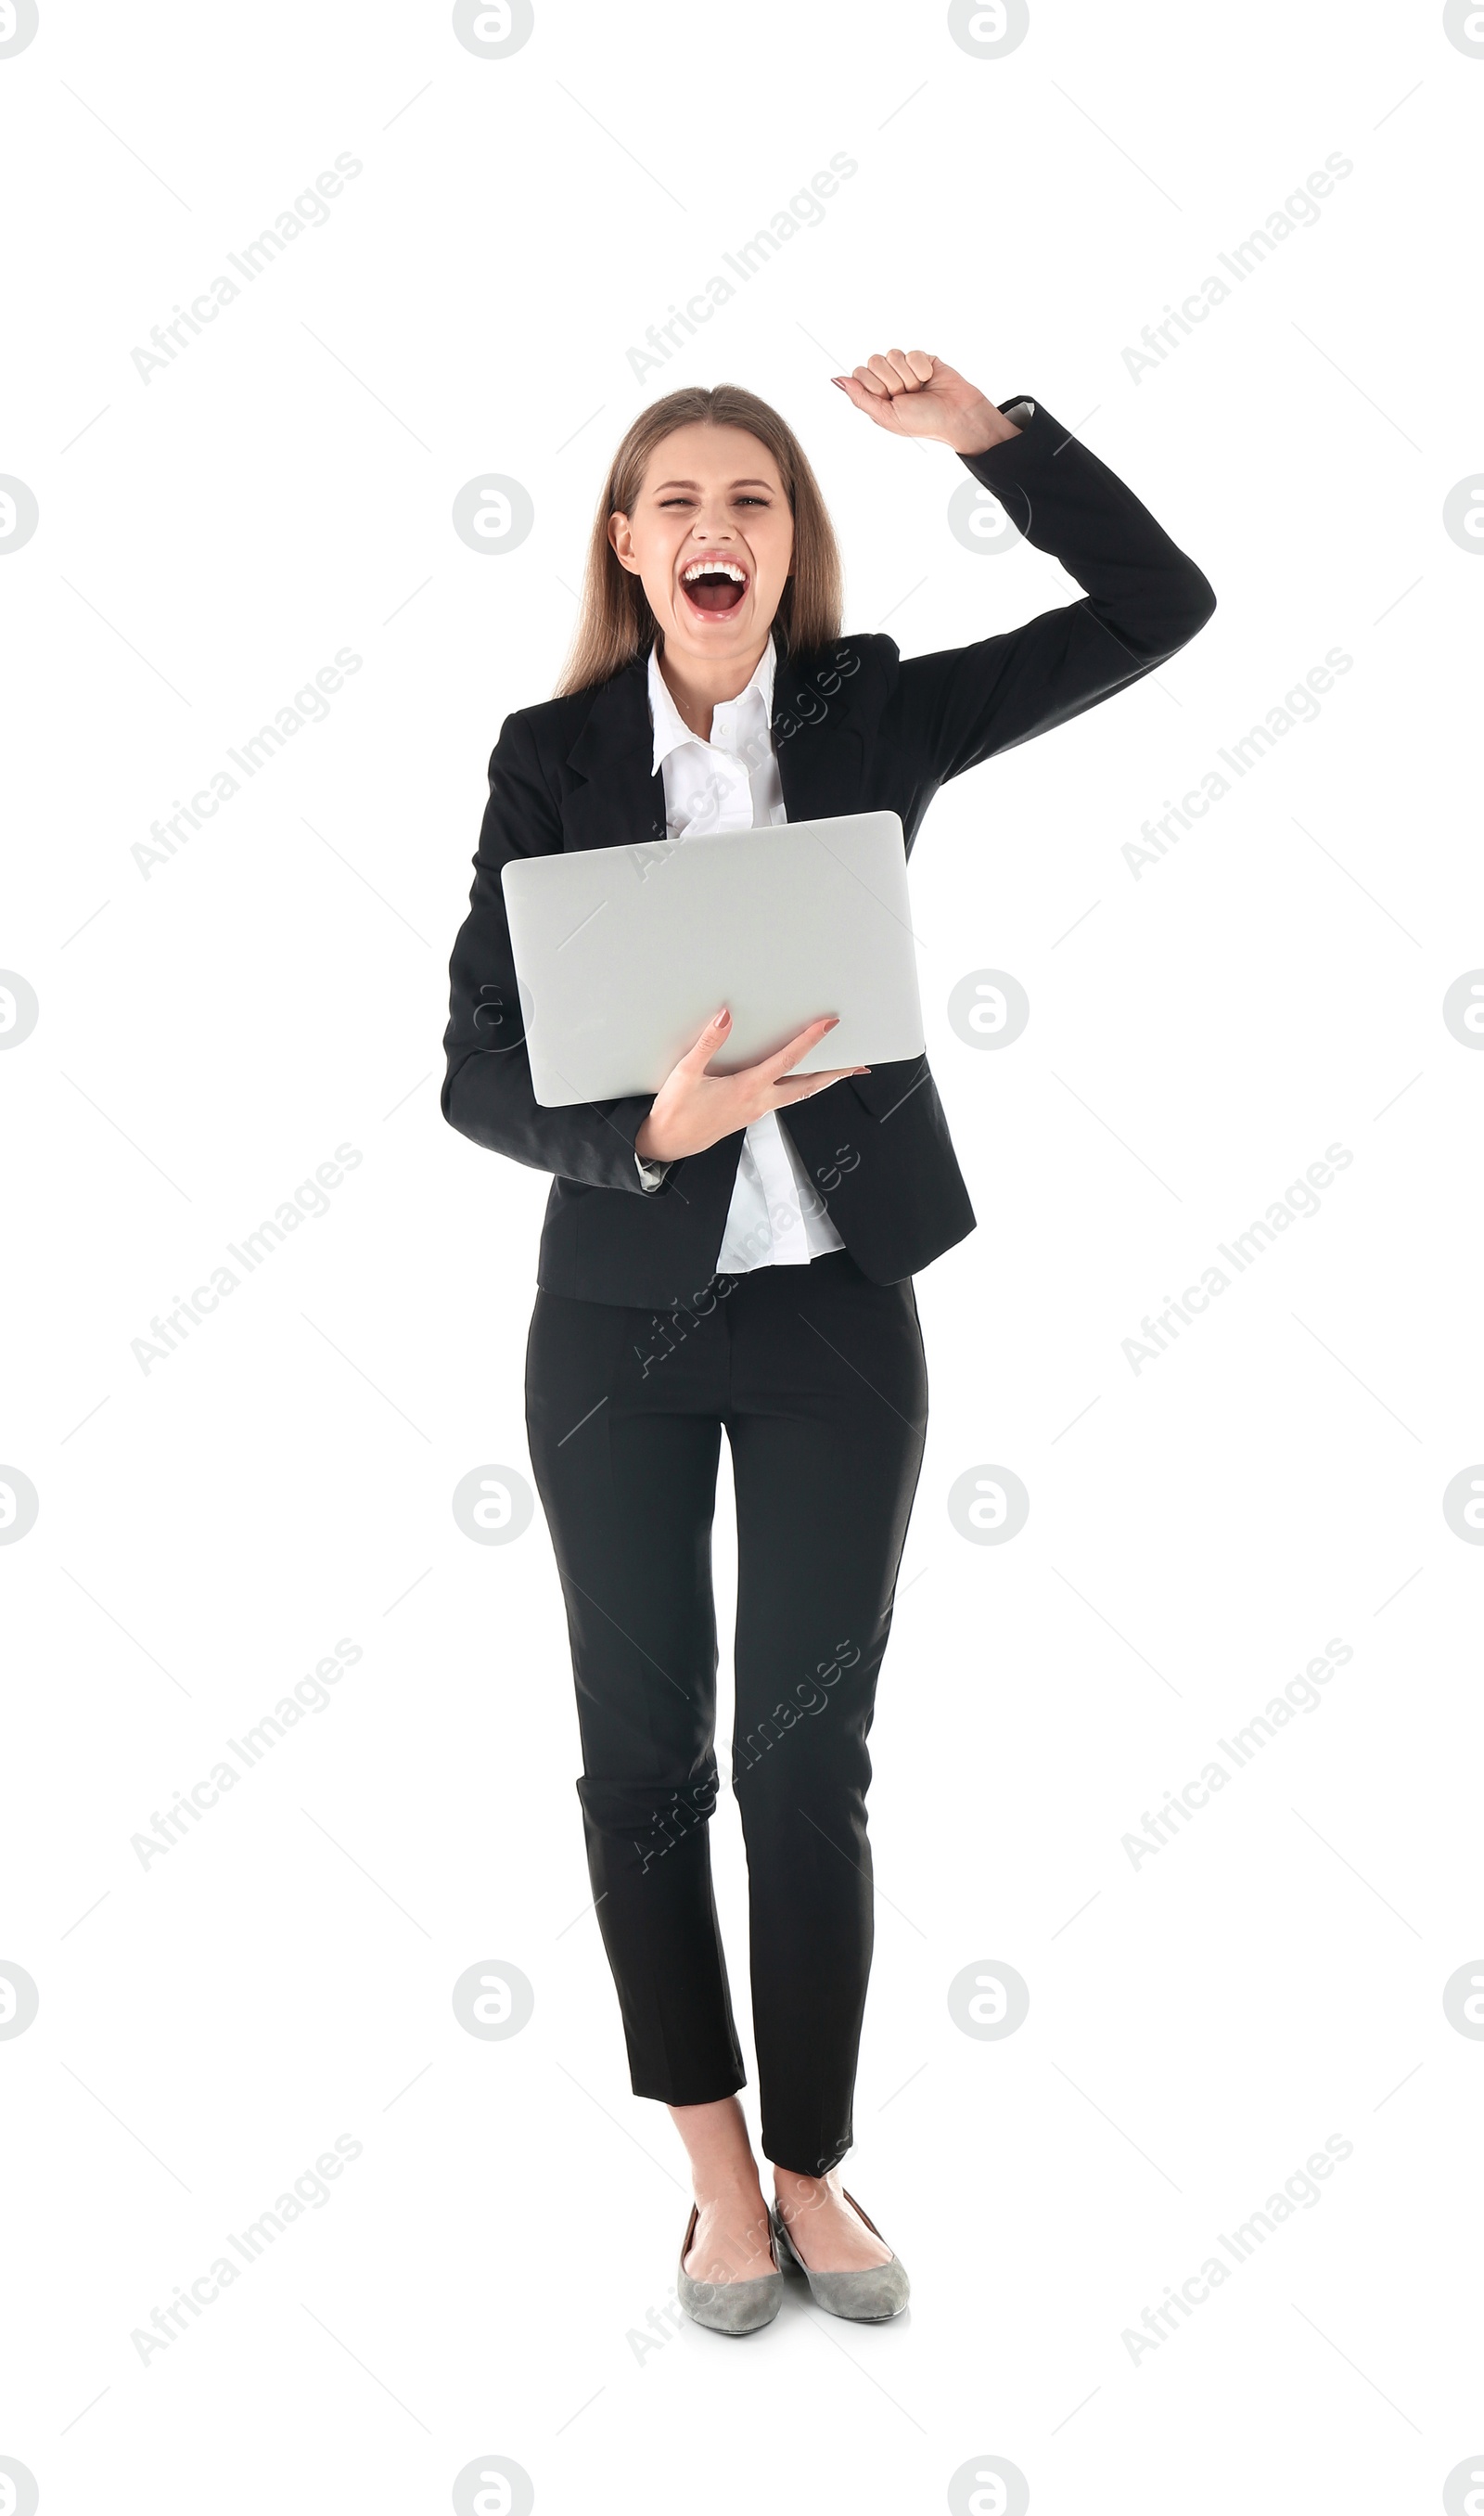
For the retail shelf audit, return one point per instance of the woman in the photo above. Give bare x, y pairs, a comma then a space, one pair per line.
739, 1250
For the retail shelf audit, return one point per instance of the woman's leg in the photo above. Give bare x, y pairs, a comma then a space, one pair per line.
732, 2240
827, 1423
624, 1440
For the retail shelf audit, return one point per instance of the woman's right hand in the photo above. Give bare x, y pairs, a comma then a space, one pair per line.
692, 1108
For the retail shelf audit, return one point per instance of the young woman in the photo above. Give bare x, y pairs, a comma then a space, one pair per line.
738, 1250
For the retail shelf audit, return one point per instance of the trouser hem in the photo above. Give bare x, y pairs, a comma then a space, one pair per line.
707, 2096
823, 2163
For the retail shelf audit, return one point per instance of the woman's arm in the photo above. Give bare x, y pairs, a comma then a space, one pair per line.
1142, 600
487, 1091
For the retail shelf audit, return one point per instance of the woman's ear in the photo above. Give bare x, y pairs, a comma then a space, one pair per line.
622, 539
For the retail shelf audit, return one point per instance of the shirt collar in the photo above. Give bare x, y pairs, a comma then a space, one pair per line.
669, 727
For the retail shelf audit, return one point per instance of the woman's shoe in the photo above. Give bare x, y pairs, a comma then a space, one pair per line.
862, 2297
728, 2306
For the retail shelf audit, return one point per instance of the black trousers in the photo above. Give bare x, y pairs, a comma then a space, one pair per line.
817, 1375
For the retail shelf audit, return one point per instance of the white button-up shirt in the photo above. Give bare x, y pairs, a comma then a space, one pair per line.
777, 1217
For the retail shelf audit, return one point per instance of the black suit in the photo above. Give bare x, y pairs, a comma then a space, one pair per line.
816, 1372
857, 728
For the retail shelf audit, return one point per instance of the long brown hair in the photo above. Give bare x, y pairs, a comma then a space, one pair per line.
615, 621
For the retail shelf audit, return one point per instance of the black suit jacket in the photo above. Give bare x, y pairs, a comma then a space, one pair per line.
856, 728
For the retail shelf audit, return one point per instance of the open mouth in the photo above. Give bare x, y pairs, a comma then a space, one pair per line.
714, 587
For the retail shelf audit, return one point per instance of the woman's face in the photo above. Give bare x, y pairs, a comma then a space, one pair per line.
712, 540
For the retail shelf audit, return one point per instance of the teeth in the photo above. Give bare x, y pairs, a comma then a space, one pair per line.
714, 567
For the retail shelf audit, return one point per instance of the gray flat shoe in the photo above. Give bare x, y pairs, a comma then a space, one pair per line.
728, 2306
861, 2297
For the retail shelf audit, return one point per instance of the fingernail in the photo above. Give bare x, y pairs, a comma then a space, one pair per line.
722, 1016
840, 380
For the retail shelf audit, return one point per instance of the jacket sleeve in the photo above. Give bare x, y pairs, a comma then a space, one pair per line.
487, 1090
1143, 600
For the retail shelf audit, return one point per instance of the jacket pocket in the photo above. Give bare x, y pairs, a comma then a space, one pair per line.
886, 1087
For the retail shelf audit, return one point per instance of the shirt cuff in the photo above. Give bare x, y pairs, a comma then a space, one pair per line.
650, 1174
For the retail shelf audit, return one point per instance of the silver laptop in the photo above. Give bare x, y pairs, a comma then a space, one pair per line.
623, 955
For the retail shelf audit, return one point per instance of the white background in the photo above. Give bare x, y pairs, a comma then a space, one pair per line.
1199, 1529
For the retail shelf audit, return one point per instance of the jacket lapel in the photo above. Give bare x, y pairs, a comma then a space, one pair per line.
619, 800
817, 738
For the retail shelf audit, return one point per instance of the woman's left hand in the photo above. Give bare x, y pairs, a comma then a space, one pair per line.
914, 395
